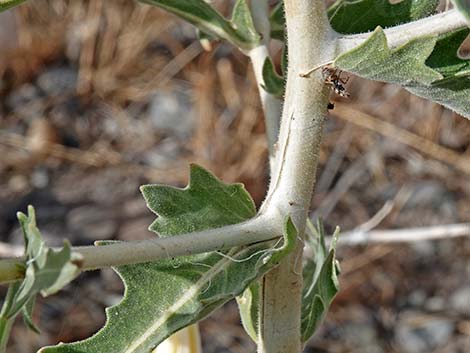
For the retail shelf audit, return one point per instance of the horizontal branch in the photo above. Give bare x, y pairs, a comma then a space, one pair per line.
447, 231
256, 230
398, 35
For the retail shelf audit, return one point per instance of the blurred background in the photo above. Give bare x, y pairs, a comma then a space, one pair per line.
97, 98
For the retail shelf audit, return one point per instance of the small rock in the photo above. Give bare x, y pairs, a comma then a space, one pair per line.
417, 297
422, 334
460, 300
164, 154
57, 81
435, 304
172, 112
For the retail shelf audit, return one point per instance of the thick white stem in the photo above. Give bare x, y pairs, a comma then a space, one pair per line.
253, 231
398, 35
305, 107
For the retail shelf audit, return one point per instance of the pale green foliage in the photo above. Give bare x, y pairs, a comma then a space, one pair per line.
405, 65
47, 271
273, 82
428, 67
240, 31
320, 279
162, 297
249, 309
205, 203
357, 16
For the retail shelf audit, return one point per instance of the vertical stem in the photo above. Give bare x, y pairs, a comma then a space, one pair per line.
309, 44
271, 105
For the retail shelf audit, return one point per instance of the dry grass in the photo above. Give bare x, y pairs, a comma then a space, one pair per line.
376, 144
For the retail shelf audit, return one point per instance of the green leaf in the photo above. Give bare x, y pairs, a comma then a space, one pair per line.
320, 280
27, 312
273, 82
47, 271
207, 19
243, 22
205, 203
7, 4
278, 21
464, 7
162, 297
405, 65
428, 67
248, 303
357, 16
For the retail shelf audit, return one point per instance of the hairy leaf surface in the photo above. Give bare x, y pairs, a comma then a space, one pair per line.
320, 281
47, 271
162, 297
428, 67
207, 19
357, 16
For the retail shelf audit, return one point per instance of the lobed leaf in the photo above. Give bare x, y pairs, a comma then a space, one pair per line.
358, 16
162, 297
428, 67
239, 32
47, 271
320, 281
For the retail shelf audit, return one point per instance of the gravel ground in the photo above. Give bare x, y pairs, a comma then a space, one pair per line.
88, 116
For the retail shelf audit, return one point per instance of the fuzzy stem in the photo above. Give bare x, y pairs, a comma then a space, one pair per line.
271, 105
398, 35
125, 253
309, 42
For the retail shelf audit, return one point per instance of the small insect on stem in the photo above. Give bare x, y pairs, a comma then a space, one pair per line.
332, 77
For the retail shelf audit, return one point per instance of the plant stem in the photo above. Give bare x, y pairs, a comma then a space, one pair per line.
271, 105
309, 39
125, 253
398, 35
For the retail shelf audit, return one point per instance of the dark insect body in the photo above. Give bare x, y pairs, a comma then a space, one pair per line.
333, 78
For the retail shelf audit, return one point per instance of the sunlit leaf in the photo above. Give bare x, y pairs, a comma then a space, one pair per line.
243, 22
47, 271
208, 20
428, 67
162, 297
